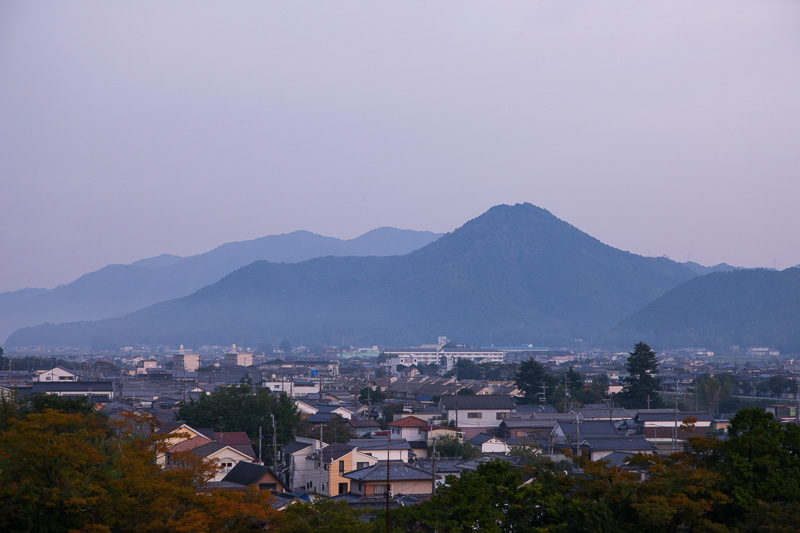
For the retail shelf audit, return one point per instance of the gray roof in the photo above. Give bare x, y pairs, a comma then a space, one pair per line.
477, 402
294, 447
480, 438
398, 471
244, 473
630, 444
529, 423
473, 464
380, 444
69, 386
444, 465
332, 452
669, 414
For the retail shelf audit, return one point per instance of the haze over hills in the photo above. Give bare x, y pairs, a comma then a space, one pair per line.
514, 274
119, 289
740, 308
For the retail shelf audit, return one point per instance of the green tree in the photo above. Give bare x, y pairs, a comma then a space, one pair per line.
530, 379
337, 429
322, 515
641, 386
448, 446
243, 408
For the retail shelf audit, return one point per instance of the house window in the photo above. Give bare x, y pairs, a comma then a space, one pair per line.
341, 467
343, 488
474, 415
359, 466
226, 467
268, 486
501, 416
381, 489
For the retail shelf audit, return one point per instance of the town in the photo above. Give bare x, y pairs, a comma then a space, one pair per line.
382, 428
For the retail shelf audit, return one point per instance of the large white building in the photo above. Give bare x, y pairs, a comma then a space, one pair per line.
444, 357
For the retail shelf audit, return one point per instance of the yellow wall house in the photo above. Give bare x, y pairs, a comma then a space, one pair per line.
326, 468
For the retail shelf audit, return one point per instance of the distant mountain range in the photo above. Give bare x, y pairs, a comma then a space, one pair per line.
719, 310
120, 289
514, 274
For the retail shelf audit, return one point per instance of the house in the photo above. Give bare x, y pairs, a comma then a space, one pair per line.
409, 428
384, 449
489, 443
403, 479
295, 470
245, 474
58, 374
601, 447
666, 428
327, 467
364, 426
96, 390
225, 457
475, 414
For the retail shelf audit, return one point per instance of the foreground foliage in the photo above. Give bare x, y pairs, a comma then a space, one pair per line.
750, 482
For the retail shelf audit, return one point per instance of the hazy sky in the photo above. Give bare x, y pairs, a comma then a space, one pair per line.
131, 129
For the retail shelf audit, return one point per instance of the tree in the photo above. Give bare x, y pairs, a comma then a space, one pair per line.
322, 515
286, 346
641, 386
63, 472
530, 378
243, 408
448, 446
337, 429
266, 348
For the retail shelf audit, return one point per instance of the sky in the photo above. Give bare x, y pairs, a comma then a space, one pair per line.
132, 129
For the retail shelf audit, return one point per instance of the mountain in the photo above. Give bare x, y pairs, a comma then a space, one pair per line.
119, 289
720, 310
701, 270
514, 274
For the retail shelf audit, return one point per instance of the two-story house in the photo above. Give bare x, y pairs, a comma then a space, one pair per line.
475, 414
326, 468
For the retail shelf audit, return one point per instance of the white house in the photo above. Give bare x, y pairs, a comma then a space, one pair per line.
475, 414
58, 374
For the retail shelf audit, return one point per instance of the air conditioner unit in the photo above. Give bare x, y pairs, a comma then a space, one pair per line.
391, 494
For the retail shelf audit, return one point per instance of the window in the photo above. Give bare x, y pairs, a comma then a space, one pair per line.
359, 466
268, 486
381, 489
341, 467
343, 488
474, 415
501, 416
226, 467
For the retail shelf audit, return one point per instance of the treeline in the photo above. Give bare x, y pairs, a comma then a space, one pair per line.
72, 469
749, 482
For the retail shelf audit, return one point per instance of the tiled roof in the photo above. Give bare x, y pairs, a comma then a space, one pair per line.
294, 447
408, 422
247, 474
189, 444
233, 437
380, 444
398, 471
622, 444
477, 402
332, 452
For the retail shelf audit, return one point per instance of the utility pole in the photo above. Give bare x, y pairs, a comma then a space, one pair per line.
274, 443
433, 488
259, 446
675, 431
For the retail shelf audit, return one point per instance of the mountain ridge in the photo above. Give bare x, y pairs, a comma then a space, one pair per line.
116, 289
516, 273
